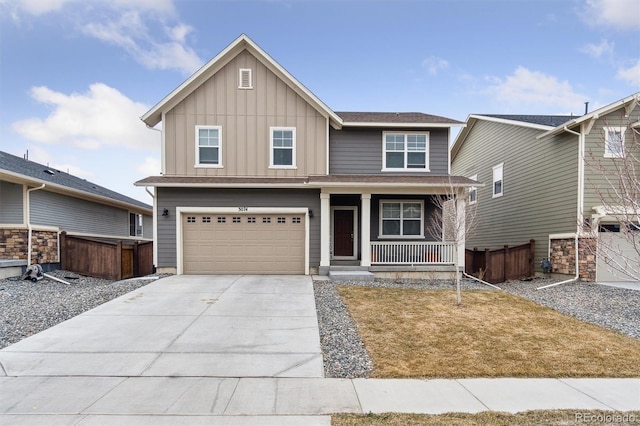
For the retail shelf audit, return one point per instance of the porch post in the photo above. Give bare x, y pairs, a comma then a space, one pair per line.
461, 205
325, 230
365, 233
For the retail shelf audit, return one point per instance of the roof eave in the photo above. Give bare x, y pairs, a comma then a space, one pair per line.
400, 125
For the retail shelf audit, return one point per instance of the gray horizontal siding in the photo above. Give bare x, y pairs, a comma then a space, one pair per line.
147, 226
170, 198
540, 185
11, 205
77, 215
359, 151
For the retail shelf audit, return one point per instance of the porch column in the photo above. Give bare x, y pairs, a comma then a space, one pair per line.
325, 230
365, 233
461, 214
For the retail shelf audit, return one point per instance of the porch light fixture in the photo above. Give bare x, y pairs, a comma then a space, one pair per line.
165, 212
310, 213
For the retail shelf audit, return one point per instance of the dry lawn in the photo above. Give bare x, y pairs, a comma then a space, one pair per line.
424, 334
489, 418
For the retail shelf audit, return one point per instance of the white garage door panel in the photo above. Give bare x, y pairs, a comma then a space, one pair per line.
250, 244
605, 272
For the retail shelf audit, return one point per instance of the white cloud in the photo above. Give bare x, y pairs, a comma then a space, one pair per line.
102, 116
631, 75
598, 50
534, 90
41, 7
149, 167
433, 64
621, 14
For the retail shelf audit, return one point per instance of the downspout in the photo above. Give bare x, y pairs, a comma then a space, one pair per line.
579, 207
30, 231
155, 227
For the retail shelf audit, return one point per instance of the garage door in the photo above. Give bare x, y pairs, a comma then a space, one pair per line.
243, 243
605, 272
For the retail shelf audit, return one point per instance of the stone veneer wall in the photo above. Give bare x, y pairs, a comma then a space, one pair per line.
14, 245
563, 257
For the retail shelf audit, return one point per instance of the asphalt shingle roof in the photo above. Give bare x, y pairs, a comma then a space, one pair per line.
20, 166
544, 120
393, 117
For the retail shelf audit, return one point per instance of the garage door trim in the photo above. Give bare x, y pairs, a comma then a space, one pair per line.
180, 211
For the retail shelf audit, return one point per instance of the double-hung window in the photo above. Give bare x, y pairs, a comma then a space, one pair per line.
473, 191
401, 218
283, 147
498, 180
614, 142
405, 151
208, 146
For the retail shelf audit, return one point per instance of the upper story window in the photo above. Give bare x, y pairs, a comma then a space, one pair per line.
473, 191
405, 151
498, 181
401, 218
614, 142
283, 147
135, 225
208, 146
245, 79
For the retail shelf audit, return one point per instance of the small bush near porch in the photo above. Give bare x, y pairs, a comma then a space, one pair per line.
423, 334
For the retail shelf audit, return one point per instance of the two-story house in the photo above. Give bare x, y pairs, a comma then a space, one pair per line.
548, 178
260, 176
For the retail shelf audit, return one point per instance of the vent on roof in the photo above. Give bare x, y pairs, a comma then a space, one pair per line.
245, 79
49, 172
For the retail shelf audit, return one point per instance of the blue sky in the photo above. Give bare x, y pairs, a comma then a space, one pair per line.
76, 75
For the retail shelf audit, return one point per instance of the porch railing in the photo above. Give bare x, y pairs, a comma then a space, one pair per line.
412, 253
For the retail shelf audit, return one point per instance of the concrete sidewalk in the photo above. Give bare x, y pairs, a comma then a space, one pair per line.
235, 350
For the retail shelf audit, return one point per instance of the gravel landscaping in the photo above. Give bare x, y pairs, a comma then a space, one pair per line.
27, 308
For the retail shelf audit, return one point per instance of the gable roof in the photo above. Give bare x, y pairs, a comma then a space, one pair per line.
36, 173
397, 119
629, 103
154, 115
538, 122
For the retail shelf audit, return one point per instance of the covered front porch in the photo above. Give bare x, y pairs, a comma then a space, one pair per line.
388, 231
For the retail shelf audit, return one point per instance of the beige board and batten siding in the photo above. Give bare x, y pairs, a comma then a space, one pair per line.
597, 188
246, 116
540, 185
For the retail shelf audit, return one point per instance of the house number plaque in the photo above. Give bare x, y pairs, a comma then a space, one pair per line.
243, 209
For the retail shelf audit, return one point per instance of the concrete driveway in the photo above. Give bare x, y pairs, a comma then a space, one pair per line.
182, 326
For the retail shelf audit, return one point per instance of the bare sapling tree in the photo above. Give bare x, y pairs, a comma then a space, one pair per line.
453, 221
615, 179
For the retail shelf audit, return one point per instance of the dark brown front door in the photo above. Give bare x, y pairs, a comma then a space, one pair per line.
343, 232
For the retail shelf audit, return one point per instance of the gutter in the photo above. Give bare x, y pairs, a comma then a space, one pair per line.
580, 203
30, 231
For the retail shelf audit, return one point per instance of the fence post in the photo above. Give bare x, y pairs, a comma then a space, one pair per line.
505, 273
532, 258
136, 260
119, 260
63, 251
487, 262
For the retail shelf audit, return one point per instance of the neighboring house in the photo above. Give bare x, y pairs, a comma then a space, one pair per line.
40, 201
260, 176
540, 182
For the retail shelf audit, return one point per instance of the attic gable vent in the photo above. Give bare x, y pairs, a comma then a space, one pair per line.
245, 81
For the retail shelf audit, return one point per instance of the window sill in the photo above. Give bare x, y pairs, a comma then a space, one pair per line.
208, 166
284, 167
401, 237
405, 170
497, 195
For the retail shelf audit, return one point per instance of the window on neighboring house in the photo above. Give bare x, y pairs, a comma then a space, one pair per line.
208, 146
283, 147
473, 191
135, 225
401, 218
614, 142
403, 151
498, 181
244, 79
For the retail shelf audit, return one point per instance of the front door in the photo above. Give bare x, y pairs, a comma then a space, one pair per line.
343, 233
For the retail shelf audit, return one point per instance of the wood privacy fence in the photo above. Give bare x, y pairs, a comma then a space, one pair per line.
104, 259
496, 266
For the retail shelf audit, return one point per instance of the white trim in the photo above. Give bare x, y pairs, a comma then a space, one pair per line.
607, 152
400, 236
354, 209
140, 217
112, 237
426, 167
325, 240
493, 180
339, 187
34, 227
197, 146
365, 234
242, 71
271, 148
163, 146
565, 236
240, 210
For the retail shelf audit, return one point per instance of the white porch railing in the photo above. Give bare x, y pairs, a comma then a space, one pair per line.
412, 253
